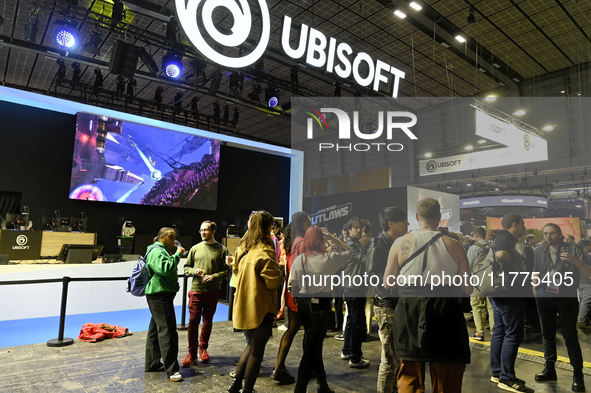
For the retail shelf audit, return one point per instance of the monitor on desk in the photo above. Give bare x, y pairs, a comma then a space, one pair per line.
79, 253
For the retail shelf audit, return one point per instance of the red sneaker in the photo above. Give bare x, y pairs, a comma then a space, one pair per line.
188, 361
204, 355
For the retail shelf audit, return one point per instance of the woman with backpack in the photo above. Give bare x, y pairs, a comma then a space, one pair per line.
162, 340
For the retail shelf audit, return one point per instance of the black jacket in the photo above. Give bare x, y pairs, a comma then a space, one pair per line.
354, 266
376, 261
543, 262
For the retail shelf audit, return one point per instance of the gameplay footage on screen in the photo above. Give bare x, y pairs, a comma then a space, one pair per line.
117, 161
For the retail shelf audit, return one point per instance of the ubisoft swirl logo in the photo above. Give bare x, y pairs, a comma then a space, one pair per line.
191, 12
21, 240
431, 166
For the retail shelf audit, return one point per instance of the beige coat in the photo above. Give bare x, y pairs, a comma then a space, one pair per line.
257, 280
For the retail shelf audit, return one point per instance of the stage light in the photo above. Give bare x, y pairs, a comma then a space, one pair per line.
31, 26
77, 74
272, 97
120, 84
61, 71
460, 38
148, 61
98, 78
158, 94
471, 18
519, 112
216, 112
428, 155
226, 117
469, 147
235, 117
215, 82
198, 72
178, 100
295, 80
400, 14
236, 82
172, 64
92, 45
194, 107
416, 6
131, 84
337, 89
548, 128
255, 94
65, 35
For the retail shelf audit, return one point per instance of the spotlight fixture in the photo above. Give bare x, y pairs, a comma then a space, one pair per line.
428, 155
256, 91
194, 107
31, 26
178, 100
469, 147
295, 80
98, 78
148, 61
236, 82
471, 18
400, 14
65, 34
519, 112
235, 117
226, 117
337, 89
61, 71
460, 38
198, 72
172, 64
158, 94
272, 97
92, 45
481, 141
216, 113
215, 82
131, 84
547, 128
120, 84
77, 73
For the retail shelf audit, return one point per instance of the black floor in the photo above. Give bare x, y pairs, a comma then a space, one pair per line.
117, 366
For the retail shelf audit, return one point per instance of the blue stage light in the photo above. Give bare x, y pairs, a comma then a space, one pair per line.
65, 36
172, 64
272, 97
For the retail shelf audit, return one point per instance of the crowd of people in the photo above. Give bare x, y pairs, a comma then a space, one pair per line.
289, 266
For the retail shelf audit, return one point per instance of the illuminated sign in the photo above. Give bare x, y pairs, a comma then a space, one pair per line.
532, 201
196, 19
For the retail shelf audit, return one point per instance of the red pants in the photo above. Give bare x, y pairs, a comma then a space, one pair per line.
201, 304
445, 377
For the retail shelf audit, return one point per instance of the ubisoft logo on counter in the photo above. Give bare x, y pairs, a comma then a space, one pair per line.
195, 15
21, 240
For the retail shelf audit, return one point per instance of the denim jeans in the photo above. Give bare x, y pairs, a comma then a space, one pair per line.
567, 308
389, 363
584, 302
355, 329
508, 332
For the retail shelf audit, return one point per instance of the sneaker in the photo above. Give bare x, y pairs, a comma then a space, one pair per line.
362, 364
282, 327
514, 385
478, 336
204, 355
282, 376
494, 379
340, 337
176, 377
344, 357
189, 360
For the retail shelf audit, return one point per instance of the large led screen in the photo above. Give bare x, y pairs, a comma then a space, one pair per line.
117, 161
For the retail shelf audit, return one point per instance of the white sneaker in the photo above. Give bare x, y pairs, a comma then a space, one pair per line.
176, 377
282, 327
494, 379
344, 357
362, 364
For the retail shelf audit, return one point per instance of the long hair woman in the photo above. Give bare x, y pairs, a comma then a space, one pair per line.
300, 222
255, 302
162, 340
311, 296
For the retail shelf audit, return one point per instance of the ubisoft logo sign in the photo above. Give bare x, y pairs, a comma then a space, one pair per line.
190, 11
21, 240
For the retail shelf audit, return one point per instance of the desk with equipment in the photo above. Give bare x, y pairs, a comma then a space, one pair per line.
23, 245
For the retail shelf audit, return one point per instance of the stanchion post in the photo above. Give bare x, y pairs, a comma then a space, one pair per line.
184, 306
61, 341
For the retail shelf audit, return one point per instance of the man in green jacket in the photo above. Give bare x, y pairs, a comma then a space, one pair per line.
206, 264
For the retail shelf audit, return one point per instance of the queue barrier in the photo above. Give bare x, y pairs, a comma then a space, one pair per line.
60, 341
